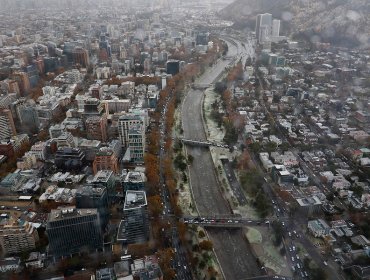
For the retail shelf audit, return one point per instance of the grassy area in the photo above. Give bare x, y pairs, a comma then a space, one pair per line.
254, 236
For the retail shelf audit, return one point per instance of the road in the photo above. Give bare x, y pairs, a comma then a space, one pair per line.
233, 252
179, 263
233, 182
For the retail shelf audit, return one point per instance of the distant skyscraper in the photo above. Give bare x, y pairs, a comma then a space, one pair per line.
173, 67
7, 127
263, 27
81, 56
28, 116
276, 28
23, 82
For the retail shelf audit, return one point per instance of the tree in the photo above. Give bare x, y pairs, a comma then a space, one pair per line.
278, 232
43, 135
255, 147
206, 245
202, 264
262, 204
231, 135
190, 159
139, 250
220, 87
155, 205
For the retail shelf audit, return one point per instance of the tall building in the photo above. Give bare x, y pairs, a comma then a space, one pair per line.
125, 122
69, 230
202, 39
136, 142
23, 82
263, 27
81, 56
17, 239
91, 197
134, 181
276, 28
105, 159
7, 127
105, 179
28, 116
135, 226
173, 67
96, 128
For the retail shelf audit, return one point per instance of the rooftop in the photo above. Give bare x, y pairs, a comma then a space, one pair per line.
69, 212
135, 199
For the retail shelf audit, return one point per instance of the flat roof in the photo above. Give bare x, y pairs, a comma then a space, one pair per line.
135, 199
69, 212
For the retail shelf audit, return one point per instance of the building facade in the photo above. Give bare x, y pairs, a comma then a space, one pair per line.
7, 127
69, 230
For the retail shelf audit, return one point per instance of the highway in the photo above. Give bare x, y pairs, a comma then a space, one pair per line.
232, 250
233, 182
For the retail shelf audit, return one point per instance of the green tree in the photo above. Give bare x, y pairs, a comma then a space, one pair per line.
201, 234
278, 232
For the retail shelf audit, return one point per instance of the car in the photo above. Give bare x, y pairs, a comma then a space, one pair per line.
293, 248
298, 265
305, 273
185, 267
325, 263
290, 234
297, 256
290, 249
292, 259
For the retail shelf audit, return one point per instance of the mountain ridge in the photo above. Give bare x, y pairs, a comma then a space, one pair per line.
342, 22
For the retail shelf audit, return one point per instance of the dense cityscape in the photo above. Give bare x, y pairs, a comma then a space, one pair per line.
168, 139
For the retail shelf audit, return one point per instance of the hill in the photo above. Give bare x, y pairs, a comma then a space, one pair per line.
343, 22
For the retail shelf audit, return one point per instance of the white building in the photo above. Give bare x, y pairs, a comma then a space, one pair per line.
263, 27
276, 28
318, 228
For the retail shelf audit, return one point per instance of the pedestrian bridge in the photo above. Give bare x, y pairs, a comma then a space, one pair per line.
202, 143
201, 86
